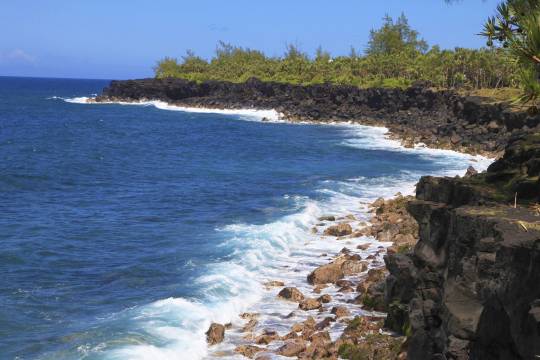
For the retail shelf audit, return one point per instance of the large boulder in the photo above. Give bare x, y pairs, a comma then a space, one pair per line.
291, 294
340, 311
215, 334
341, 229
309, 304
292, 348
330, 273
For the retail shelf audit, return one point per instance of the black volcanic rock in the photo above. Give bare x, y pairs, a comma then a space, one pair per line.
440, 119
471, 287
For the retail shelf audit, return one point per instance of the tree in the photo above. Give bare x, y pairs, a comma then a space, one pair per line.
167, 67
192, 63
322, 55
516, 28
394, 37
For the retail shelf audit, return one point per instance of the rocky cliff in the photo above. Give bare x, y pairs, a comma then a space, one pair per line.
440, 119
471, 287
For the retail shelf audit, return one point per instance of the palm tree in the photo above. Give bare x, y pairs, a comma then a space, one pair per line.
516, 27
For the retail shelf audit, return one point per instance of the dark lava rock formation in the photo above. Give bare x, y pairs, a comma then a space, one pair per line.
440, 119
471, 287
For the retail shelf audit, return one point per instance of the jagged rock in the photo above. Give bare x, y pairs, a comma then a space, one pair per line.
290, 336
274, 283
340, 311
337, 269
327, 218
292, 348
267, 337
310, 322
346, 289
250, 325
343, 282
309, 304
363, 246
324, 298
298, 327
249, 315
341, 229
352, 267
324, 323
248, 350
328, 273
291, 294
215, 334
320, 338
345, 251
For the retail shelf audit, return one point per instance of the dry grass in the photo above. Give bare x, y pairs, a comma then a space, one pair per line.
506, 96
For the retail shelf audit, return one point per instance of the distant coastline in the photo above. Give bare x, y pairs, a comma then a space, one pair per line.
438, 119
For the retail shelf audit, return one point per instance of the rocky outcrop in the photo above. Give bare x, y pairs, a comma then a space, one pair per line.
440, 119
336, 270
471, 287
291, 294
341, 229
391, 222
215, 334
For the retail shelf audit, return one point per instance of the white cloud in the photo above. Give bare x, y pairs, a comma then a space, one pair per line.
16, 56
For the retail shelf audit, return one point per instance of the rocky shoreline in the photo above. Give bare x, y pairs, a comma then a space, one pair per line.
462, 278
438, 119
363, 278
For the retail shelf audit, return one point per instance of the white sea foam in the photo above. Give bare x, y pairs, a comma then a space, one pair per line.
246, 114
77, 100
284, 250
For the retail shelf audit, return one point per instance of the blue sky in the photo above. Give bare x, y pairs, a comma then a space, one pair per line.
117, 39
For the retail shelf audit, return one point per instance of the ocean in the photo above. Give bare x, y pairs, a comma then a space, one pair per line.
125, 230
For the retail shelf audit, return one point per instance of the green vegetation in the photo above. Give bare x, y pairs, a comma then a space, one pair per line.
404, 248
373, 302
372, 347
516, 29
395, 57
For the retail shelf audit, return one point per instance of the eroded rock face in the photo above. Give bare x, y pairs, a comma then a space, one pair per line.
471, 287
215, 334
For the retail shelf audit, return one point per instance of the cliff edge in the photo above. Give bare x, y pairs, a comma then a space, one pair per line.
470, 289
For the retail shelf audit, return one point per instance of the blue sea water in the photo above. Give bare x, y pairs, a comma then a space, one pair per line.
126, 230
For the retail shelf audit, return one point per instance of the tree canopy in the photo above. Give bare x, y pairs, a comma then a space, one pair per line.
394, 37
396, 56
516, 29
